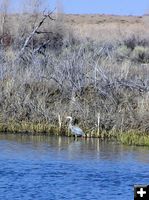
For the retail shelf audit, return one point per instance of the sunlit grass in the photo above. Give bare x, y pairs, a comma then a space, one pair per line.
134, 138
128, 138
28, 127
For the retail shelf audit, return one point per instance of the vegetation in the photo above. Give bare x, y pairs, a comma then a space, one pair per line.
134, 138
48, 71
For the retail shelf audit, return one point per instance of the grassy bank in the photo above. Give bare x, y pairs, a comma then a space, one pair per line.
128, 138
48, 75
134, 138
28, 127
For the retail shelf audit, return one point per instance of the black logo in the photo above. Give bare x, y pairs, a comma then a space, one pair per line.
141, 192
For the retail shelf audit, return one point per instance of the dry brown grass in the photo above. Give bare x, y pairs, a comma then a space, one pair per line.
107, 27
100, 27
92, 64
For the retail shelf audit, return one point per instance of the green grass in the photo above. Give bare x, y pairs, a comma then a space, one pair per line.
29, 127
128, 138
134, 138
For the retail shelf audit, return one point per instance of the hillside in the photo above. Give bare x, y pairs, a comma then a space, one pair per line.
91, 67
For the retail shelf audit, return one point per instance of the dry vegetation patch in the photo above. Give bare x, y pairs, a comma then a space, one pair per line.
79, 65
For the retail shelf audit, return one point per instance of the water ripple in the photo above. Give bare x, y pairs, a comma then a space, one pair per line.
49, 168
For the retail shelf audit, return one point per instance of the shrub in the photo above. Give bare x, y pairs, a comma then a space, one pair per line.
140, 54
122, 52
134, 40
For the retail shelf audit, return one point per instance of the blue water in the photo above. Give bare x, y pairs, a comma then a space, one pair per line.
57, 168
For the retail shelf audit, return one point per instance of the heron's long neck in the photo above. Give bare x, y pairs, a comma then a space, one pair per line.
70, 123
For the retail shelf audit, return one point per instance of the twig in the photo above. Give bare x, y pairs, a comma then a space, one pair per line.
59, 122
98, 123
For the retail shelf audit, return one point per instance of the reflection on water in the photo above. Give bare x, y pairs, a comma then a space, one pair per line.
43, 167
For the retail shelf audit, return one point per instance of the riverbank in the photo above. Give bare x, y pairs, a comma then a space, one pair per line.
102, 83
128, 138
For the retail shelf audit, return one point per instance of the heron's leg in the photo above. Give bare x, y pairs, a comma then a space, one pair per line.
76, 138
84, 136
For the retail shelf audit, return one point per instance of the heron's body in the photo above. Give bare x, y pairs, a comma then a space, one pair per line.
75, 130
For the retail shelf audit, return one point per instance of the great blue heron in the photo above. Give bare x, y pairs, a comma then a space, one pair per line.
76, 131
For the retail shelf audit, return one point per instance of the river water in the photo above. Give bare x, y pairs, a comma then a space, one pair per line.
59, 168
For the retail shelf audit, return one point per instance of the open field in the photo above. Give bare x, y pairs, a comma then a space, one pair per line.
107, 27
94, 68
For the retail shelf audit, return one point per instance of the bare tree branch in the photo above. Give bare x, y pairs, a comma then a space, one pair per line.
35, 30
